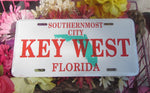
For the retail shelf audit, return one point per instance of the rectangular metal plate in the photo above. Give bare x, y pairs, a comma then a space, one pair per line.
75, 47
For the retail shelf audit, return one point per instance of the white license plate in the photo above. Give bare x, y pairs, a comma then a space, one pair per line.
75, 47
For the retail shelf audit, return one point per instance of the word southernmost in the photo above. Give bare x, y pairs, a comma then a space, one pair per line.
75, 25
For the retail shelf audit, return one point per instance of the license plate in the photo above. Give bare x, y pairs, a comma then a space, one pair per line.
75, 47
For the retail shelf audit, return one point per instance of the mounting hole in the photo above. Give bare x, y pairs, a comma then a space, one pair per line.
109, 24
111, 69
39, 70
42, 24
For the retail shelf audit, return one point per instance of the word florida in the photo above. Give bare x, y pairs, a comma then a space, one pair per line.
98, 47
